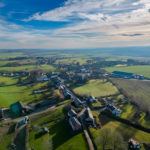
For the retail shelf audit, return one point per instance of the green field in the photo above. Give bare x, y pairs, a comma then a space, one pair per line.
73, 60
10, 55
10, 92
59, 137
96, 88
127, 132
140, 70
27, 68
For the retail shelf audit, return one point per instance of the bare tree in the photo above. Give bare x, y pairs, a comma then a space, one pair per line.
117, 141
111, 139
105, 137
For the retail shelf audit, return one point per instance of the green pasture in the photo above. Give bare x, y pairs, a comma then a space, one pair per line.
27, 68
6, 55
10, 92
96, 88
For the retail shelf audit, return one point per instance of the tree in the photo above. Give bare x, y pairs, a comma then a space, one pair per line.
105, 137
111, 139
117, 141
19, 80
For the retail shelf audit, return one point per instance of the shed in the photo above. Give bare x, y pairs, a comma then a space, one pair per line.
45, 130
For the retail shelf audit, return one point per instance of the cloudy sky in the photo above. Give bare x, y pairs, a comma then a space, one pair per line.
74, 23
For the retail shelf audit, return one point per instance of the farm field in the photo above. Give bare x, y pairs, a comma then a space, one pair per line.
27, 68
59, 136
139, 93
136, 88
82, 61
140, 70
126, 132
10, 55
10, 92
96, 88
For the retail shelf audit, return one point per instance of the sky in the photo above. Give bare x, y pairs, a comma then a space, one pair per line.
59, 24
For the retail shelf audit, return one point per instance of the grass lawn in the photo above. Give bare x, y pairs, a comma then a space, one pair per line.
27, 68
10, 92
96, 88
59, 137
98, 104
140, 69
126, 131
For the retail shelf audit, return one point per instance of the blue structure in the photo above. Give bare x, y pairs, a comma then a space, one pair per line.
123, 74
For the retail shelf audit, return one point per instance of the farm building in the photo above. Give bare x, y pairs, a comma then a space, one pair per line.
133, 145
18, 108
75, 124
123, 74
43, 78
72, 113
113, 109
92, 99
89, 119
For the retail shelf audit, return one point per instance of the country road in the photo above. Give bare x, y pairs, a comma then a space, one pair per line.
32, 114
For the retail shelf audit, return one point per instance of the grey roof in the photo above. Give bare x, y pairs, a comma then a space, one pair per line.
89, 113
72, 113
74, 123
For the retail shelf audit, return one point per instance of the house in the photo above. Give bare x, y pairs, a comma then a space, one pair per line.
133, 145
89, 116
141, 77
75, 124
92, 99
72, 113
36, 92
113, 109
77, 102
122, 99
45, 130
43, 78
18, 108
67, 94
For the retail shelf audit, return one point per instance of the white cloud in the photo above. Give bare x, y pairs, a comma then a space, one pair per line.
103, 23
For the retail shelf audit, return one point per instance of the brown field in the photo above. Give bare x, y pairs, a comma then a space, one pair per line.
137, 90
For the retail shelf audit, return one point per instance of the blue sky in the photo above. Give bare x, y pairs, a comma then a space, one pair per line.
74, 23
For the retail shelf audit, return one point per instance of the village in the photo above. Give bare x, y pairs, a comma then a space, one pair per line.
80, 116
